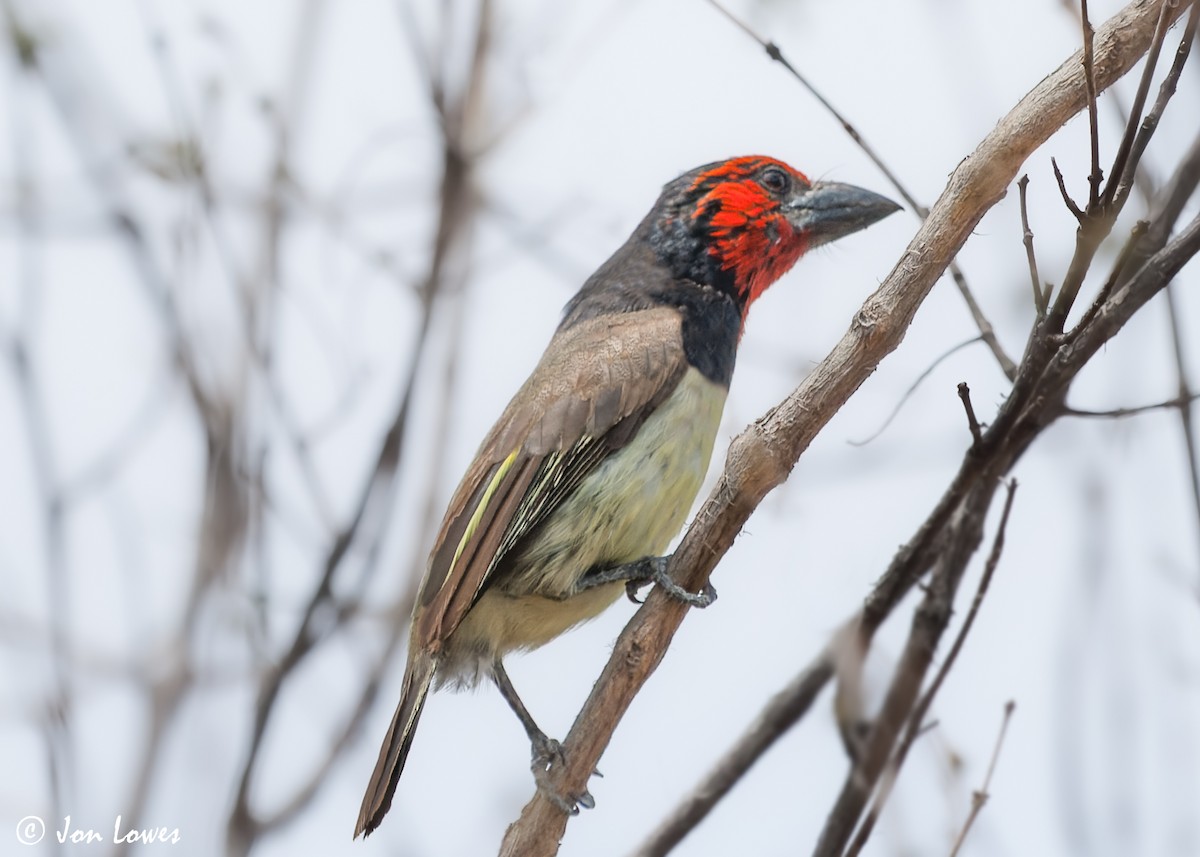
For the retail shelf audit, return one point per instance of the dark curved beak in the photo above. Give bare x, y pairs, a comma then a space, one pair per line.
831, 210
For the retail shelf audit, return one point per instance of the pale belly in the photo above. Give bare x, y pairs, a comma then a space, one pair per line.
631, 507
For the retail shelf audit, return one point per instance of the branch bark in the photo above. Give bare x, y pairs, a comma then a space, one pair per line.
763, 455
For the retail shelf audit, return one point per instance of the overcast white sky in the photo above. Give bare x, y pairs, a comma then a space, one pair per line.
1092, 625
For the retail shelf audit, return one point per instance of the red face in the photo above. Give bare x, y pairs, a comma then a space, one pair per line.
742, 209
739, 225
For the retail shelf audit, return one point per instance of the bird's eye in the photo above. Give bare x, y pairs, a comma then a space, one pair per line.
776, 180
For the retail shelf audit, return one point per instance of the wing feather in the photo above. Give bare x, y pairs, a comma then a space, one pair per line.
591, 392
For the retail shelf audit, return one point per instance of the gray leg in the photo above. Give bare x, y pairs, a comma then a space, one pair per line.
651, 569
545, 751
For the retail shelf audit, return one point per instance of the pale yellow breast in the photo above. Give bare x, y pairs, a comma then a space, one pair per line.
631, 507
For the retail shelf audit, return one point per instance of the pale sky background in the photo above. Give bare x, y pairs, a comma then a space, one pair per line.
1092, 624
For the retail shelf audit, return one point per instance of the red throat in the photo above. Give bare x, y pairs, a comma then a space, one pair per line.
748, 235
757, 251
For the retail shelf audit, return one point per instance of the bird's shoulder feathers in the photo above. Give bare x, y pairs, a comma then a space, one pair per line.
593, 388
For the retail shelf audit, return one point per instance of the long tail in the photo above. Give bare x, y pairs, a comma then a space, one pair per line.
378, 799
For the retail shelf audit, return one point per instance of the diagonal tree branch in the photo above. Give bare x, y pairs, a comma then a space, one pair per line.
763, 455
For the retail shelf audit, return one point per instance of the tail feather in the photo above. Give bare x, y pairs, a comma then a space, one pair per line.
378, 799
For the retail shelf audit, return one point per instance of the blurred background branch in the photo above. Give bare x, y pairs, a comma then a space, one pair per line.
270, 271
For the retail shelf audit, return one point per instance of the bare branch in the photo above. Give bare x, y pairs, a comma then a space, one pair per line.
964, 393
986, 332
1096, 177
912, 389
979, 798
916, 720
761, 457
1129, 254
1119, 413
1150, 124
1062, 188
459, 115
1040, 298
1167, 14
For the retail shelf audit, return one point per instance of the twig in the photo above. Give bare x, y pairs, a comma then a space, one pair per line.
1129, 253
916, 719
1096, 177
1167, 13
1164, 213
1118, 413
986, 331
1151, 278
1039, 297
1093, 229
458, 114
1125, 181
1062, 188
912, 388
776, 54
954, 544
1144, 181
979, 798
964, 393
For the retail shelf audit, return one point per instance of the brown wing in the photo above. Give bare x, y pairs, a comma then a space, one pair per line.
591, 392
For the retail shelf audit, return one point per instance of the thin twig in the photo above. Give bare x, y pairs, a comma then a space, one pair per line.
1096, 177
1129, 253
964, 393
1117, 173
1062, 188
1145, 182
776, 54
1093, 229
1039, 297
979, 798
1119, 413
986, 331
912, 388
1125, 182
916, 721
459, 114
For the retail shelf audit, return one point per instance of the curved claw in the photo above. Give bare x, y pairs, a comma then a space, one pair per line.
546, 753
631, 590
701, 599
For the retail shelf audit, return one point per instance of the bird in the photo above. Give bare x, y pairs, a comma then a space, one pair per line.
593, 466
